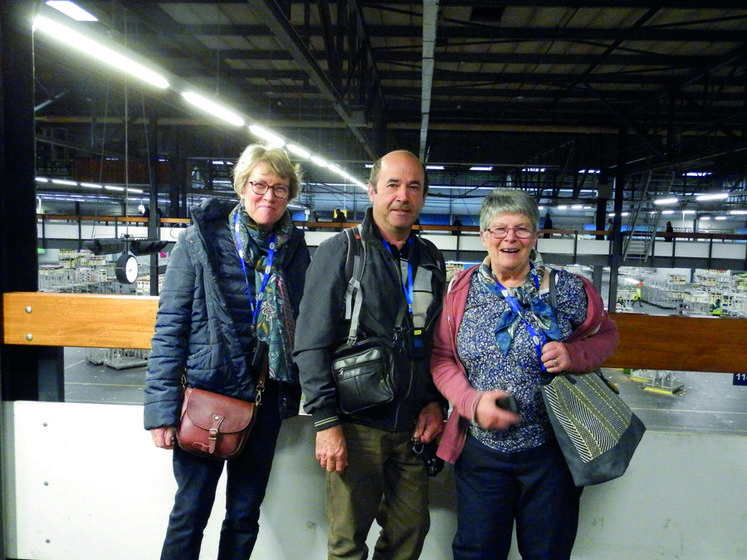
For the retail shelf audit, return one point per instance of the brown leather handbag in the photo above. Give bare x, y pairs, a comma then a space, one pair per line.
214, 425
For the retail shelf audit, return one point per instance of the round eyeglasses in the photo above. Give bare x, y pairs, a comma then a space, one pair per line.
260, 187
499, 232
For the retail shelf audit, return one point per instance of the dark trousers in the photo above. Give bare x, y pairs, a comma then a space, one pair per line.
534, 488
197, 479
384, 481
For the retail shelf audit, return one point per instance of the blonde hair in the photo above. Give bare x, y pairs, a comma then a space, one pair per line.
275, 158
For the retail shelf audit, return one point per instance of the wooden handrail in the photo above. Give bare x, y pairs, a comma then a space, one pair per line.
86, 320
108, 321
680, 343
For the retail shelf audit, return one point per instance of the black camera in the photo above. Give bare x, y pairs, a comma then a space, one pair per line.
427, 451
508, 403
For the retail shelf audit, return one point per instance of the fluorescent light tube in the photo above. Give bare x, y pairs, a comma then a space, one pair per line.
319, 161
298, 151
716, 196
98, 50
71, 10
212, 107
267, 135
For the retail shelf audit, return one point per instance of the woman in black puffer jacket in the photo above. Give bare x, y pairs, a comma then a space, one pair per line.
208, 327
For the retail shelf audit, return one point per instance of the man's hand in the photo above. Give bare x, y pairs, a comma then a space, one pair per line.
164, 437
331, 451
430, 423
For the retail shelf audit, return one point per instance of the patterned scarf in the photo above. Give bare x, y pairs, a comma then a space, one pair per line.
528, 297
275, 323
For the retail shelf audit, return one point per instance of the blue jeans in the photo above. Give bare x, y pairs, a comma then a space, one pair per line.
533, 488
197, 479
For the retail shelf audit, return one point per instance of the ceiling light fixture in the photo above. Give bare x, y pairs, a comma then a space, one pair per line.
298, 151
97, 49
272, 139
71, 10
666, 201
716, 196
481, 168
319, 161
212, 107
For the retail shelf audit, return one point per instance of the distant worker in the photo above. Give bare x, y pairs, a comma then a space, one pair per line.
637, 295
669, 229
339, 217
547, 225
716, 308
457, 223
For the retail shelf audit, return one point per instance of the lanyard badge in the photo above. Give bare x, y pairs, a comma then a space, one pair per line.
256, 305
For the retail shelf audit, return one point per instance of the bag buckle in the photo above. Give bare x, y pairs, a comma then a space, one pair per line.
213, 432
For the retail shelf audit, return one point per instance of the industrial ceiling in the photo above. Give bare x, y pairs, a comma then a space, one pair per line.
556, 96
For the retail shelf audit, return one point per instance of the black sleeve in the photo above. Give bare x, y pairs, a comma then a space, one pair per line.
318, 329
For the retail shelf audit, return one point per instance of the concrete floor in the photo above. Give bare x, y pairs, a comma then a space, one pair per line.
86, 382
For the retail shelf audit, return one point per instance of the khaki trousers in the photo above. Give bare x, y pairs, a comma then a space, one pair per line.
384, 481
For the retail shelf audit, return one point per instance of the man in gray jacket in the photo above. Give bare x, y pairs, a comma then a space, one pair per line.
372, 472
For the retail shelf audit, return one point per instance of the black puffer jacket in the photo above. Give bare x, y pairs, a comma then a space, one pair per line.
321, 327
203, 325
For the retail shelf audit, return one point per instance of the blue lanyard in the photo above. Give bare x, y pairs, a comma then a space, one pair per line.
538, 339
407, 286
268, 268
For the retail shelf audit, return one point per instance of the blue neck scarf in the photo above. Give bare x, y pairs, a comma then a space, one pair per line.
531, 307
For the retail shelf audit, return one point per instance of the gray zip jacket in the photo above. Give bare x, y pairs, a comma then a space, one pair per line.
321, 326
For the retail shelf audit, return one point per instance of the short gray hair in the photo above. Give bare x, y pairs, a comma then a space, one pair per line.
499, 201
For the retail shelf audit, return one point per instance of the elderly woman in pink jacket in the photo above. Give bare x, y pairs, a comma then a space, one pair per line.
498, 339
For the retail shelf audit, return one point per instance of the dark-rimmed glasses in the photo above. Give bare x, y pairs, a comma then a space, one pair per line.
500, 232
260, 188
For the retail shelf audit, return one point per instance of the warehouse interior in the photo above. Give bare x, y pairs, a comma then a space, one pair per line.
565, 99
617, 116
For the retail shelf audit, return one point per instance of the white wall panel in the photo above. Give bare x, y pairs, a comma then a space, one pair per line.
84, 482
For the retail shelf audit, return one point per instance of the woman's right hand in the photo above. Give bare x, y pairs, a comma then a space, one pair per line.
164, 437
490, 416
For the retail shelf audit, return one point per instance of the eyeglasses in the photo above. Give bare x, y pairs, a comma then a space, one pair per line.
499, 232
260, 187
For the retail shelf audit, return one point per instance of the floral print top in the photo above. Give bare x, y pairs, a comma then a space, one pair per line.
496, 347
